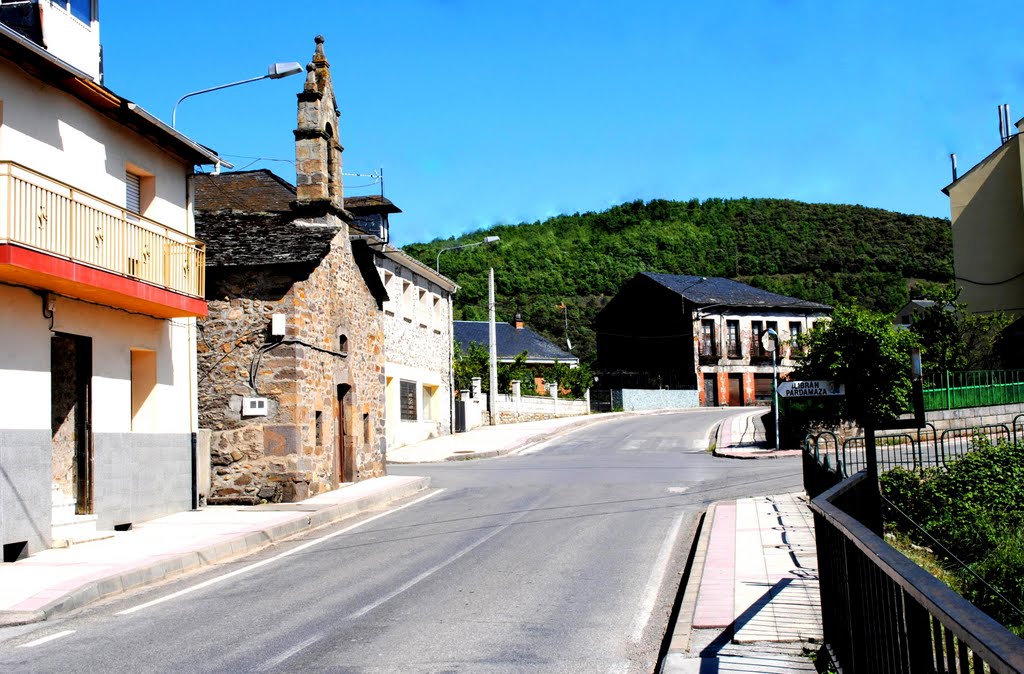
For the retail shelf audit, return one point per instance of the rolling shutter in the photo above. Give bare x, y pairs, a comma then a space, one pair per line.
133, 192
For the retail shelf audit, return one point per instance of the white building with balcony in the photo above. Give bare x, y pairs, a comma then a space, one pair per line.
100, 283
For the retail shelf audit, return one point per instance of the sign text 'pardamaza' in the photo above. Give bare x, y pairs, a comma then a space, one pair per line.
810, 388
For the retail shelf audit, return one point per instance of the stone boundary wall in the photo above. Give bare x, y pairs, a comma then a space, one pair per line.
969, 417
636, 400
512, 409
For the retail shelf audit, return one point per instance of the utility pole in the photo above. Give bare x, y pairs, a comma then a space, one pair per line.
492, 397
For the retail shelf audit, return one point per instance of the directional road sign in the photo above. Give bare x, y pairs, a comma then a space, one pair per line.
810, 388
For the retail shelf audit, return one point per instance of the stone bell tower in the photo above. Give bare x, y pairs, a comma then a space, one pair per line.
318, 182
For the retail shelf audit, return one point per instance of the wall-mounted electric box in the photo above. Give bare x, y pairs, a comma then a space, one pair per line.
277, 322
255, 407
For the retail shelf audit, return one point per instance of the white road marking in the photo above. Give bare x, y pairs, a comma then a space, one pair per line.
39, 642
273, 664
678, 490
643, 615
271, 560
431, 571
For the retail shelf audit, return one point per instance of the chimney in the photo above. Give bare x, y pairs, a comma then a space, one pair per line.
519, 321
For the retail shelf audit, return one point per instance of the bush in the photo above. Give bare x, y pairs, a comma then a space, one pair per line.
975, 508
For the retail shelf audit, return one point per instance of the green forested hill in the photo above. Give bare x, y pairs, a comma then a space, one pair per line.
821, 252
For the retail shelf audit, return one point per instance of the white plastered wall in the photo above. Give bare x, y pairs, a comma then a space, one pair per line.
115, 333
72, 40
57, 135
25, 363
401, 432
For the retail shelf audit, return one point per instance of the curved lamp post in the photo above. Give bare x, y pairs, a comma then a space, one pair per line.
487, 240
275, 72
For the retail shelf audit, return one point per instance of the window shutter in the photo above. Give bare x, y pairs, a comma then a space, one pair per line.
133, 192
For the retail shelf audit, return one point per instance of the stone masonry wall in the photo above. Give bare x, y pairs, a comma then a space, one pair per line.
414, 336
282, 457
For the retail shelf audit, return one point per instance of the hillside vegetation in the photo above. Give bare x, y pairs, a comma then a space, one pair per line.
821, 252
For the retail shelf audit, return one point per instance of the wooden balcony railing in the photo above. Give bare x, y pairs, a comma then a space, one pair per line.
43, 214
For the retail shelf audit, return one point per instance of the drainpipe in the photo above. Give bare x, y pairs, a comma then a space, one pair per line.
193, 383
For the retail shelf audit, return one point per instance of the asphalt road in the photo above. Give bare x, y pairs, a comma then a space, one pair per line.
566, 558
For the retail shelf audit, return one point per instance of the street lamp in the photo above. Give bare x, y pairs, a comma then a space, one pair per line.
275, 72
487, 240
770, 341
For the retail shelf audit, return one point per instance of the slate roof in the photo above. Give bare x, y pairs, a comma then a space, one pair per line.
373, 203
245, 219
236, 238
257, 191
716, 290
512, 341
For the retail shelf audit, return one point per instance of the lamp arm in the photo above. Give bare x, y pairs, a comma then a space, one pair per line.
174, 112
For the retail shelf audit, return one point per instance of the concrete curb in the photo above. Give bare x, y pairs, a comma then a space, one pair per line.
242, 544
758, 454
680, 642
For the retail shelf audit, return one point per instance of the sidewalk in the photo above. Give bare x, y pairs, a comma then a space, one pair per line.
743, 437
751, 603
56, 581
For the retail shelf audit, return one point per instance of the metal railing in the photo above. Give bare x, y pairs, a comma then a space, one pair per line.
978, 388
915, 450
46, 215
883, 613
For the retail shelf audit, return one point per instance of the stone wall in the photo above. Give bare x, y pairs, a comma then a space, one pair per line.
293, 452
417, 344
512, 409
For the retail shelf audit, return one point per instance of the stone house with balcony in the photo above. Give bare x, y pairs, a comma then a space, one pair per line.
101, 280
291, 354
417, 332
695, 332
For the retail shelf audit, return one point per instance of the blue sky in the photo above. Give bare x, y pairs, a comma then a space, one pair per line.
487, 112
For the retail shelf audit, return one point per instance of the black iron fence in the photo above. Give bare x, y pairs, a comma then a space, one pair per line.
914, 450
883, 613
880, 611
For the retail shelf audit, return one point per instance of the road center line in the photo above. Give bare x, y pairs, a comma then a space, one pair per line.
431, 571
643, 615
271, 560
39, 642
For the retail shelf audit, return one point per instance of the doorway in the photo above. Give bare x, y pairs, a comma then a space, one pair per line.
71, 418
344, 458
736, 390
710, 391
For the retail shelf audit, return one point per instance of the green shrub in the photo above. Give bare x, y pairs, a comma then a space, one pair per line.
975, 508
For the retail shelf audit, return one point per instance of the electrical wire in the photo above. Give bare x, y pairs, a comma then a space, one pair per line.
989, 283
952, 556
254, 365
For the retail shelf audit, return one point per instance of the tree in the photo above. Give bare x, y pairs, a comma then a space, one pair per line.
866, 352
952, 338
471, 364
